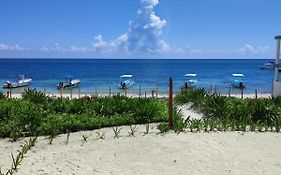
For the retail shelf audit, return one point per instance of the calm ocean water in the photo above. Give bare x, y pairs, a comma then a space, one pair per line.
148, 73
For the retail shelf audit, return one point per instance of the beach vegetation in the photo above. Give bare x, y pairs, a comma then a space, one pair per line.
223, 113
85, 138
67, 138
36, 114
133, 130
116, 132
100, 135
146, 129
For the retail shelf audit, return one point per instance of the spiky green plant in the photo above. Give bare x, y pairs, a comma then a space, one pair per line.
253, 127
51, 139
277, 124
16, 161
163, 128
85, 138
133, 130
116, 132
101, 136
206, 123
146, 129
67, 138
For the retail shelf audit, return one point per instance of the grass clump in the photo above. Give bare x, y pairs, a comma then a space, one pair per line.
133, 130
100, 135
116, 132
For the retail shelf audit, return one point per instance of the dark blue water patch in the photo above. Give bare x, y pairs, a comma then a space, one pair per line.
148, 73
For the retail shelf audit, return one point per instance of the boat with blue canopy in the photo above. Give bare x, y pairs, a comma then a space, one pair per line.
238, 81
191, 81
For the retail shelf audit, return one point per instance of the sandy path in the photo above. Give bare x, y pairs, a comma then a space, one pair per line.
186, 153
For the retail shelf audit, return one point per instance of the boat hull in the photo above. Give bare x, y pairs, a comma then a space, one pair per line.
126, 84
72, 84
18, 84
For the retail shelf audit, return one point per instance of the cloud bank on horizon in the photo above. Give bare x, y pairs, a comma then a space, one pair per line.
143, 38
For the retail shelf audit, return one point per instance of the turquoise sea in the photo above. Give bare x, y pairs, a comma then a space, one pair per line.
100, 74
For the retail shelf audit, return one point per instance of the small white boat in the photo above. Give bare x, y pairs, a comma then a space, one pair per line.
69, 82
238, 81
126, 81
269, 65
191, 81
19, 83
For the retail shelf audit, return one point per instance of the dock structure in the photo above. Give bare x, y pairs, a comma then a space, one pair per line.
276, 85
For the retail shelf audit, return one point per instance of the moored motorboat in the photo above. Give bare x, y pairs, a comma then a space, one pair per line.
21, 82
126, 81
238, 81
191, 81
268, 65
69, 82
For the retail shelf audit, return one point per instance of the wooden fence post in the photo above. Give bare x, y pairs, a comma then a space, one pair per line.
145, 93
157, 91
71, 92
256, 93
242, 93
140, 90
229, 91
215, 89
109, 90
78, 92
96, 91
171, 103
60, 92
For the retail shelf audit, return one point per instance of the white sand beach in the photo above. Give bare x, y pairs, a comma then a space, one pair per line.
162, 95
186, 153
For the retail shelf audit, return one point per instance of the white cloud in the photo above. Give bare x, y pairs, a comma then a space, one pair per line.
144, 38
16, 47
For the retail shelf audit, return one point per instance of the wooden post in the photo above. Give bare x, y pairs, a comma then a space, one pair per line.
171, 103
145, 93
96, 91
256, 93
152, 93
60, 92
140, 90
71, 92
229, 91
109, 90
242, 93
10, 92
157, 91
78, 92
215, 89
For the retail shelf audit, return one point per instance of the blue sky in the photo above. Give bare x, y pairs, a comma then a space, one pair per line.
139, 28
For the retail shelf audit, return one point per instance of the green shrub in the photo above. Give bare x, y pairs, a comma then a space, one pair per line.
34, 96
